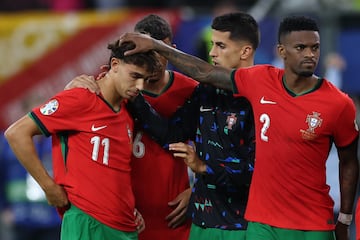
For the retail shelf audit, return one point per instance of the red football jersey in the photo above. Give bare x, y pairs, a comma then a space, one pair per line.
92, 147
157, 177
293, 138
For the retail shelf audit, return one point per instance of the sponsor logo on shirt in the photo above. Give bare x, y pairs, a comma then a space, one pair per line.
94, 129
263, 101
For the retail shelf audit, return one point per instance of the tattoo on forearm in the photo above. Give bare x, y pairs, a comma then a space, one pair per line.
198, 69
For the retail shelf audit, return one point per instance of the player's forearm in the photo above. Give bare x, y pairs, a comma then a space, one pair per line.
349, 173
160, 128
195, 67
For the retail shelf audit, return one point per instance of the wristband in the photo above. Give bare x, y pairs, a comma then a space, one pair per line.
345, 218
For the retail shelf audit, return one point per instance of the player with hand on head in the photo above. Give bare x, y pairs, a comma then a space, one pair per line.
92, 144
165, 211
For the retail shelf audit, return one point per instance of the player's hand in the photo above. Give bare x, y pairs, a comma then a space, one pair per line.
56, 196
139, 221
104, 69
143, 42
178, 216
84, 81
342, 231
188, 154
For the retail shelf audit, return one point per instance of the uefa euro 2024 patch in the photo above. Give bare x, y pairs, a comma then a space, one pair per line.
50, 107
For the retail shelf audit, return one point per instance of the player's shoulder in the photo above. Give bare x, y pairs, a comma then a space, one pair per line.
76, 98
182, 78
76, 94
261, 72
261, 69
335, 94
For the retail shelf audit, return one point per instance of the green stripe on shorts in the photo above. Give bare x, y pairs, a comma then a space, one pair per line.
78, 225
259, 231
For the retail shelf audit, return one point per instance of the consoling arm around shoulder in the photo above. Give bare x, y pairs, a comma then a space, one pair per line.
180, 127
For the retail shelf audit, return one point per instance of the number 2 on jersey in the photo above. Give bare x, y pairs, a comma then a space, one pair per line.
265, 119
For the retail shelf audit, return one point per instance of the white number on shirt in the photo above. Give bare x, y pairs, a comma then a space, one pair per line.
265, 119
106, 146
138, 146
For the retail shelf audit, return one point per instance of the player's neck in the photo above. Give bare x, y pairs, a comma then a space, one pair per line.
109, 94
299, 85
246, 63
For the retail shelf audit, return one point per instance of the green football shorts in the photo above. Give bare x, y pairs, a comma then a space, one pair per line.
78, 225
199, 233
259, 231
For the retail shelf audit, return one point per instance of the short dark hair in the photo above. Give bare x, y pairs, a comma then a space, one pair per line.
296, 23
242, 26
155, 26
148, 59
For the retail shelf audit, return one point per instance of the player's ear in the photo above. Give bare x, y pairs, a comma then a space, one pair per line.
281, 50
115, 62
246, 51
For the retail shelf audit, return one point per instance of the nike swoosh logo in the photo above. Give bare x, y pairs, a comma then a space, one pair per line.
94, 129
263, 101
202, 109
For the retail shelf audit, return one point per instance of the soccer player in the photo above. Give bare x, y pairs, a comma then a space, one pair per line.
92, 145
160, 183
297, 117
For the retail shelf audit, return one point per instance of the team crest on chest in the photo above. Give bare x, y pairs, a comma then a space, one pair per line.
231, 120
313, 121
50, 107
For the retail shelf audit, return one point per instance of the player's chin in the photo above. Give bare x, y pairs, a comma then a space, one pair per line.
306, 73
131, 94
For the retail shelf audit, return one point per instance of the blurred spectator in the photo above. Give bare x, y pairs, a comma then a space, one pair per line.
334, 66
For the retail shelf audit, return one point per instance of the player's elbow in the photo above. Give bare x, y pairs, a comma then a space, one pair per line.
12, 134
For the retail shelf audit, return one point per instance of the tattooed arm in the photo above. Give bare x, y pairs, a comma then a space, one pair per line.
188, 64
